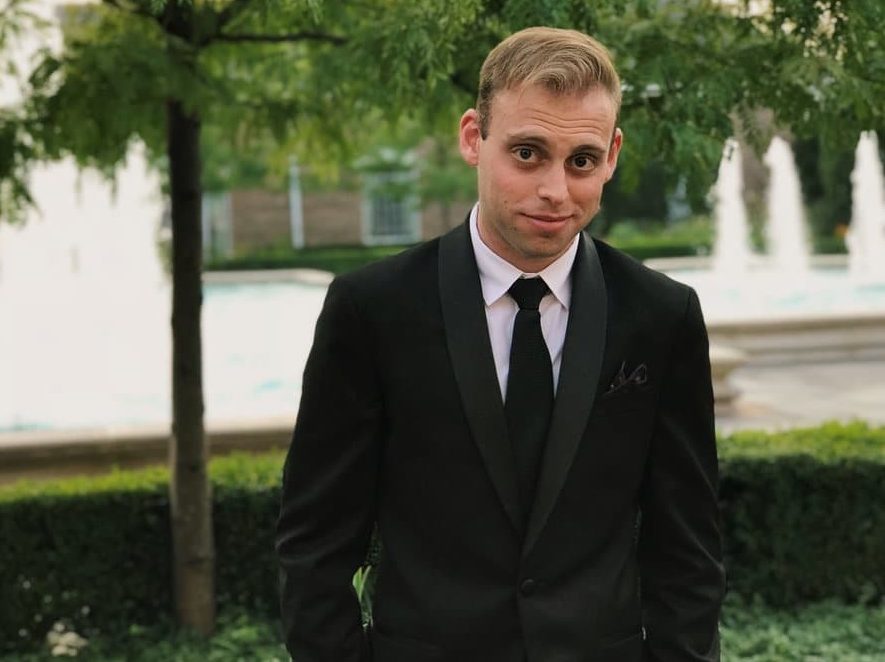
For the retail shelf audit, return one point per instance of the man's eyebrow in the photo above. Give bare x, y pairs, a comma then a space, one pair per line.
535, 139
596, 149
526, 138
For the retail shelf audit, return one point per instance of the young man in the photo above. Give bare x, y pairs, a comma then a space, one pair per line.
525, 413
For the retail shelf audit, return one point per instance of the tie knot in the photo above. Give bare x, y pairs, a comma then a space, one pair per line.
528, 292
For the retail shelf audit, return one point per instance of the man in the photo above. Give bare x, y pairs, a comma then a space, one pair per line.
516, 526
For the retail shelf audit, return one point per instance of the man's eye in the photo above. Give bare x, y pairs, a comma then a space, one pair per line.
524, 153
583, 162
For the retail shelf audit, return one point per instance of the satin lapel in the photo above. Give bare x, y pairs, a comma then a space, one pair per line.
470, 350
578, 376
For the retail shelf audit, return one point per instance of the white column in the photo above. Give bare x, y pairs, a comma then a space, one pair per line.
296, 207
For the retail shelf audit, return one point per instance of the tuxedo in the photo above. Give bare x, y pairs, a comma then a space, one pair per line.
401, 425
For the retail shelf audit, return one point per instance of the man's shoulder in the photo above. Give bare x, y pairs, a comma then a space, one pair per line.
412, 269
625, 273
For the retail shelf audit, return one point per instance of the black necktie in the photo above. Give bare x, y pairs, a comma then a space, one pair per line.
529, 387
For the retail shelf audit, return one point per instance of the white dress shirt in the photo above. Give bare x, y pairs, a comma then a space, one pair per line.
496, 275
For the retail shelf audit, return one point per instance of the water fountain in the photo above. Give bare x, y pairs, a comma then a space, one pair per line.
783, 308
84, 339
731, 251
83, 297
84, 303
866, 236
786, 233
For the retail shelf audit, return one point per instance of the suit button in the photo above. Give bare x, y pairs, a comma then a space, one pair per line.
528, 587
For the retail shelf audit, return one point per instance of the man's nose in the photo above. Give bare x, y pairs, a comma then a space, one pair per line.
553, 186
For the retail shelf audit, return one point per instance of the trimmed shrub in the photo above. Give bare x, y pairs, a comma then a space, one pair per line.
803, 513
803, 520
96, 552
335, 259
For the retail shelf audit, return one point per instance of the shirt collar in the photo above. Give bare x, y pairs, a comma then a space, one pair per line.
496, 274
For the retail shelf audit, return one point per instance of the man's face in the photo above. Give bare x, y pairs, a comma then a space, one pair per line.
540, 169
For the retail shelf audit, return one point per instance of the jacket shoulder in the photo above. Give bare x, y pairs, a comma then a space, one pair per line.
628, 274
411, 270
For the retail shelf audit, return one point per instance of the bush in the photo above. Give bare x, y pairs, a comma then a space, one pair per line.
752, 632
803, 513
239, 636
803, 520
644, 240
824, 631
96, 552
336, 259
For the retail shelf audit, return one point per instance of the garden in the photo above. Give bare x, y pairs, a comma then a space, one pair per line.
87, 561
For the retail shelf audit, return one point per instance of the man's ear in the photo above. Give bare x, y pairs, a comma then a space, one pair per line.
611, 161
469, 137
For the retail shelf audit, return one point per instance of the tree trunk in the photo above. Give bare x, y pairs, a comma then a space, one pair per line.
190, 489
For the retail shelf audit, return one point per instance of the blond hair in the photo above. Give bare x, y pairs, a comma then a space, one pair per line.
561, 61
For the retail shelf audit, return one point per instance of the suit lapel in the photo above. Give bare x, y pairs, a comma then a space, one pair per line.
578, 377
468, 342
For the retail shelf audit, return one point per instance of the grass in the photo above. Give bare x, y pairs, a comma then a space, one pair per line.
823, 632
239, 638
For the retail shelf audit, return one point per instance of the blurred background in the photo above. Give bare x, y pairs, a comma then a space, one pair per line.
214, 163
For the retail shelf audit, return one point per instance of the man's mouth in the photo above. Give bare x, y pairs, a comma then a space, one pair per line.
546, 218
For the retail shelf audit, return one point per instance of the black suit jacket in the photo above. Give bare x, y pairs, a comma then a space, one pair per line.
401, 423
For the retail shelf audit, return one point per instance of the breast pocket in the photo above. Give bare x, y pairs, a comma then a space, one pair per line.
628, 400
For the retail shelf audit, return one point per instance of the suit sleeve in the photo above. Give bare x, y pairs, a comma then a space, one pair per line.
328, 497
680, 549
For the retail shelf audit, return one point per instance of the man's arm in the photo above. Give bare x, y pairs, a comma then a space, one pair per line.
680, 549
329, 486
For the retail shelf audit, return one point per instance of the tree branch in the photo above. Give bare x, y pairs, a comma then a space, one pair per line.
282, 38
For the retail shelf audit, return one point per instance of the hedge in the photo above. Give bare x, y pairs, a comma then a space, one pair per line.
95, 552
803, 519
335, 259
340, 259
804, 515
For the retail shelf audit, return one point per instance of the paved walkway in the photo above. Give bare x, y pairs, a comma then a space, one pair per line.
783, 396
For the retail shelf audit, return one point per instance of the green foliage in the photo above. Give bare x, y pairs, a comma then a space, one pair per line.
641, 239
750, 631
15, 153
829, 245
826, 187
16, 149
240, 636
17, 21
335, 259
95, 553
52, 572
824, 631
830, 443
323, 80
644, 240
803, 514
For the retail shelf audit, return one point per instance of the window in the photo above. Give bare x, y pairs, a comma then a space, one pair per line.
391, 213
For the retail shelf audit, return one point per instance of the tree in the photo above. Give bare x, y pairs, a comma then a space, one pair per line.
161, 70
319, 79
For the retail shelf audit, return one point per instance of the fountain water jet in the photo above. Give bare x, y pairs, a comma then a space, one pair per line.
731, 251
866, 236
786, 231
781, 310
84, 299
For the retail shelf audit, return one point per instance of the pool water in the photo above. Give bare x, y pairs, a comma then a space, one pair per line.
80, 363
